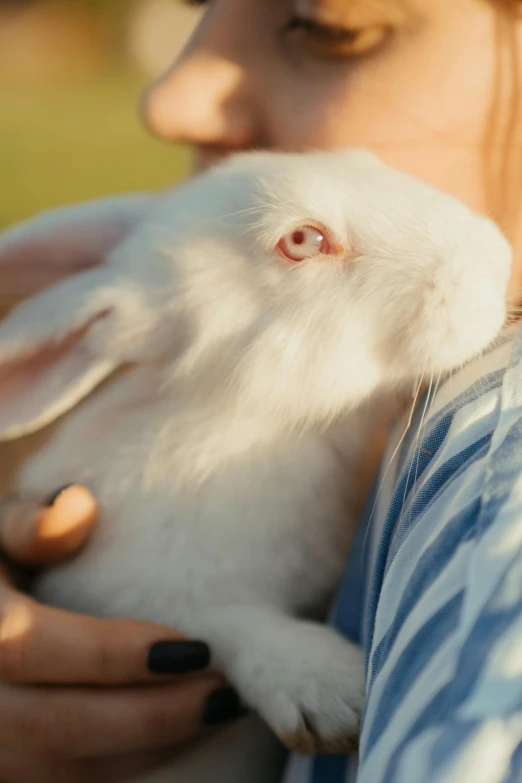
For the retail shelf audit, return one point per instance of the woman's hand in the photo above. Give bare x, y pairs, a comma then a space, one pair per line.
84, 698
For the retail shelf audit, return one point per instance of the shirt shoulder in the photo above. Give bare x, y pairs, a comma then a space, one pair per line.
448, 540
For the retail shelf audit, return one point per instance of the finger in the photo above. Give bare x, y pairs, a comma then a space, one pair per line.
16, 767
23, 768
42, 645
126, 767
33, 533
89, 723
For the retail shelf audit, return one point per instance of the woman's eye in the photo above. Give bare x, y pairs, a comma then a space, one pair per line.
306, 242
336, 42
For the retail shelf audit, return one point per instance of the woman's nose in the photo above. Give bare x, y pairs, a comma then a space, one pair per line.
203, 100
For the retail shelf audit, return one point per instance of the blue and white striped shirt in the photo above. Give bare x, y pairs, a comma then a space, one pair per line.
433, 591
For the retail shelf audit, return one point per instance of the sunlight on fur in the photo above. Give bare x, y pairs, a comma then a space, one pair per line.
227, 458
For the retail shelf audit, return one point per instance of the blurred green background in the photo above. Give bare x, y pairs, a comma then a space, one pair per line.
70, 75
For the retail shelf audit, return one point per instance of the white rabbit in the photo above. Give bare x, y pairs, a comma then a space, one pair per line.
258, 309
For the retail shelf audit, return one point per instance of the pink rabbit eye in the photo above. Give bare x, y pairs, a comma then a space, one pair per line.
304, 242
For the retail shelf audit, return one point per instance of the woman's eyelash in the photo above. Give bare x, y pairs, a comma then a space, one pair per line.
321, 32
332, 40
324, 32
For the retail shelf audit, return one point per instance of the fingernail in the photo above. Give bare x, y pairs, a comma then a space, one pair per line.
51, 500
223, 706
178, 657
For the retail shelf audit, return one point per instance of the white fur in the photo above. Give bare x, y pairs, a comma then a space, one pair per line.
224, 457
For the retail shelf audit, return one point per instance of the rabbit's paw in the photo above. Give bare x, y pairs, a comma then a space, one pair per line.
310, 692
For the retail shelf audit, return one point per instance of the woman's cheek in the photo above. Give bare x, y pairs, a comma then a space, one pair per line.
438, 142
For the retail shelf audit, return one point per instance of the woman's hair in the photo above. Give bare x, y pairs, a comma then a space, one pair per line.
503, 140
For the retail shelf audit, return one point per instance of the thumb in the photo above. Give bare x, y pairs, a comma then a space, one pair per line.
38, 533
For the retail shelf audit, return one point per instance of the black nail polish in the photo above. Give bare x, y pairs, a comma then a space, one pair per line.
51, 500
178, 657
223, 706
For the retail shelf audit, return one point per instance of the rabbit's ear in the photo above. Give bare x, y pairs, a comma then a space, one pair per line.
38, 252
53, 351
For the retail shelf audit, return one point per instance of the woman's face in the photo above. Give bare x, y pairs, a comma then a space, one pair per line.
412, 80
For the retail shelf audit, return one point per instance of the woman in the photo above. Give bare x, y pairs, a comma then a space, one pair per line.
432, 87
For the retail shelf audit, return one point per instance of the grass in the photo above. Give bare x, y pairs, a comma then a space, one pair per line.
68, 144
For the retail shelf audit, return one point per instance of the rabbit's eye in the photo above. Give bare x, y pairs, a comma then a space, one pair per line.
305, 242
